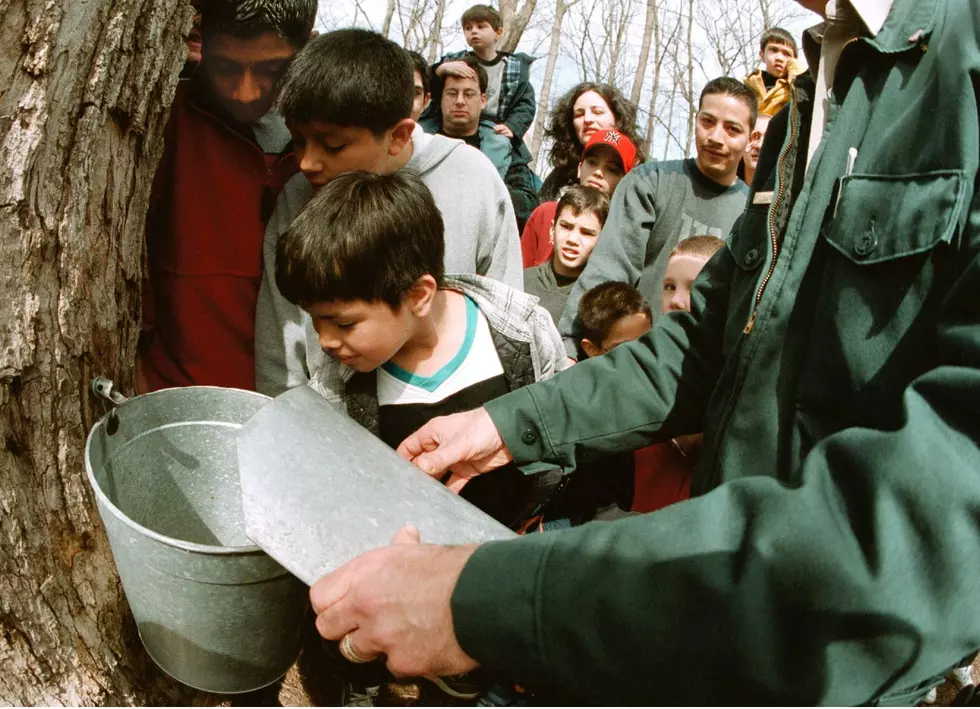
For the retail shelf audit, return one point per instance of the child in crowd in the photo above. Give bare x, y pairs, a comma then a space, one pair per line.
611, 313
778, 52
510, 96
579, 217
365, 260
607, 157
663, 471
347, 100
423, 85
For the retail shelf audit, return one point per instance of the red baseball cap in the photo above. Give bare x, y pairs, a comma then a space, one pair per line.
618, 142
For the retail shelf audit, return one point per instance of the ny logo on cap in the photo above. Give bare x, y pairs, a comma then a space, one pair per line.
612, 137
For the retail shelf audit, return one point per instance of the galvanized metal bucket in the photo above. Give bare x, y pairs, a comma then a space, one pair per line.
213, 610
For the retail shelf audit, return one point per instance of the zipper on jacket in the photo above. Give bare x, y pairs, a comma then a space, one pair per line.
773, 236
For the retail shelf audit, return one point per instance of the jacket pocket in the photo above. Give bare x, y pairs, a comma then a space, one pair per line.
886, 266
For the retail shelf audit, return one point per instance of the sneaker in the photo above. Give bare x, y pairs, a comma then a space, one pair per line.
931, 697
961, 676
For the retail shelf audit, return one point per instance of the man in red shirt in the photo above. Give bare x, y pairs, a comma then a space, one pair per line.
227, 155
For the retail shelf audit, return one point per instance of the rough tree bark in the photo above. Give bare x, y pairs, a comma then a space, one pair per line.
86, 89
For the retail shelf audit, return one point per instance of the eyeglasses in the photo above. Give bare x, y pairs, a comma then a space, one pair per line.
453, 94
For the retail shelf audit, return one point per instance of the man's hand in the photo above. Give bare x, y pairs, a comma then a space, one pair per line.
466, 443
459, 69
502, 129
394, 601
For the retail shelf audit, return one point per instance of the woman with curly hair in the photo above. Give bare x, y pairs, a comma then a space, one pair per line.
583, 110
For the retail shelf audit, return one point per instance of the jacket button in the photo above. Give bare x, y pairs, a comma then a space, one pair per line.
867, 243
751, 256
529, 438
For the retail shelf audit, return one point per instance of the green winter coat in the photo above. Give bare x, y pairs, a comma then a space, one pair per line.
833, 360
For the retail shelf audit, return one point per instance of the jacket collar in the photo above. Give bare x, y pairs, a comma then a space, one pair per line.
893, 25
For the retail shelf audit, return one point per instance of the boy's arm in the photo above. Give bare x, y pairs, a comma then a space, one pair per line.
521, 114
620, 252
280, 326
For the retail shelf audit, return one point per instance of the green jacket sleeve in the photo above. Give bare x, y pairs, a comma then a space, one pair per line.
521, 114
620, 252
594, 408
860, 582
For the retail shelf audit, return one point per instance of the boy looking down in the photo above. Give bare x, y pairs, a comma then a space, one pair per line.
226, 157
347, 99
365, 260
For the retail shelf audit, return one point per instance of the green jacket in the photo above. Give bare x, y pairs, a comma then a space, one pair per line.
833, 555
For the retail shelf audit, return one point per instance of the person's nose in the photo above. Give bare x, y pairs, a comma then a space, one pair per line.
310, 162
247, 90
573, 238
329, 339
459, 100
679, 301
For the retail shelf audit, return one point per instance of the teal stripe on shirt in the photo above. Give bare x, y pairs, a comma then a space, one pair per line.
430, 384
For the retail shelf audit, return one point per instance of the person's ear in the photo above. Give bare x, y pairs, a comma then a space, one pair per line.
483, 101
421, 295
590, 348
499, 32
314, 34
426, 101
551, 231
401, 136
578, 170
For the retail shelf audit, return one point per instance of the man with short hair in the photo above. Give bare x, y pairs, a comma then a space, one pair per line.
462, 99
227, 155
423, 85
832, 356
659, 203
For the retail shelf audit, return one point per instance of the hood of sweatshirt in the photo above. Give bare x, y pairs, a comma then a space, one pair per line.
429, 150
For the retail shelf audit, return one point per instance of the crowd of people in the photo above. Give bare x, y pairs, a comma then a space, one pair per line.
750, 335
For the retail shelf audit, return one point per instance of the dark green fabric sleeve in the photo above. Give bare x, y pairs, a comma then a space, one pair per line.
860, 582
521, 115
651, 389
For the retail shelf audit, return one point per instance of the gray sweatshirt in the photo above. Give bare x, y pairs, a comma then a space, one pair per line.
481, 238
655, 206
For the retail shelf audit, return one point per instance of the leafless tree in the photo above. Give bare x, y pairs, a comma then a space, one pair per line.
544, 95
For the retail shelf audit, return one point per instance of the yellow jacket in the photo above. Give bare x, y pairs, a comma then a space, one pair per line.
778, 96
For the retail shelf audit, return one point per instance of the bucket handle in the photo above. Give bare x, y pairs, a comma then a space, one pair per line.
105, 389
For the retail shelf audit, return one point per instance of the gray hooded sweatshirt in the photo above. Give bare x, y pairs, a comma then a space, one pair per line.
481, 238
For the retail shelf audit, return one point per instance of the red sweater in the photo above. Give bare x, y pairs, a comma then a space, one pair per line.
662, 477
204, 243
536, 246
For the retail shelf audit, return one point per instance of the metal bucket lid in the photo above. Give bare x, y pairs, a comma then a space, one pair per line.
318, 489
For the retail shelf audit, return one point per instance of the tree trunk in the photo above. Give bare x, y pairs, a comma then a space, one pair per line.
86, 91
515, 21
544, 96
691, 103
641, 66
436, 30
389, 13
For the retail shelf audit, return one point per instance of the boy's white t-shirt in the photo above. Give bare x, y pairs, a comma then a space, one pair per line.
475, 361
495, 79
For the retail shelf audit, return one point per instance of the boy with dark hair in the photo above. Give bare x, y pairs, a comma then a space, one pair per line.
462, 99
579, 217
606, 158
365, 259
423, 85
347, 99
658, 204
510, 103
612, 313
227, 155
771, 84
